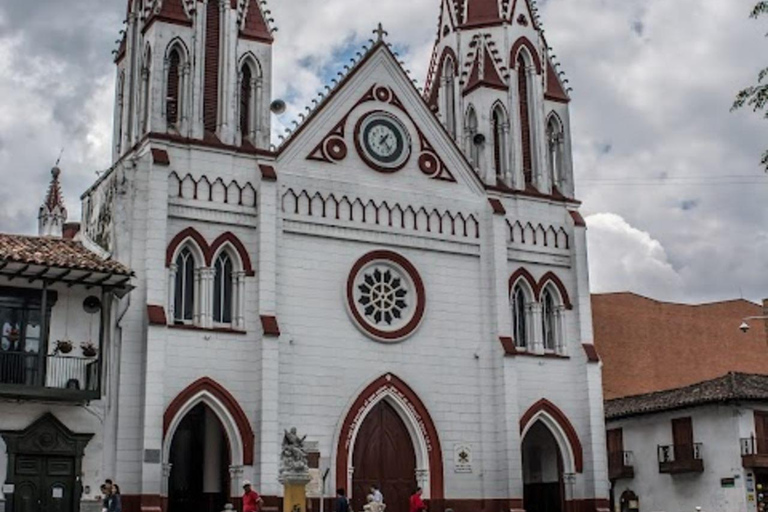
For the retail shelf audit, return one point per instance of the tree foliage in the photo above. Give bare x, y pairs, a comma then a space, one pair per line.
755, 97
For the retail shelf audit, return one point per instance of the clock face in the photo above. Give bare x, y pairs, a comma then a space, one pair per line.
383, 141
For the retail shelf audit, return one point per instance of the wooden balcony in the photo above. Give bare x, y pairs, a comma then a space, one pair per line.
680, 458
754, 453
621, 465
30, 376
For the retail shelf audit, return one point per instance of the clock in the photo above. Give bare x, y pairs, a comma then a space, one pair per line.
383, 141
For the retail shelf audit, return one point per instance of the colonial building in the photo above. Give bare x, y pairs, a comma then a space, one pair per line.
405, 274
687, 403
59, 366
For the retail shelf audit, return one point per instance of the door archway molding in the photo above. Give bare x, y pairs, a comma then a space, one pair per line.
418, 422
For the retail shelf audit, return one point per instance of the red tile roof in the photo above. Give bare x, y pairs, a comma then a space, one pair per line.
55, 252
730, 387
648, 345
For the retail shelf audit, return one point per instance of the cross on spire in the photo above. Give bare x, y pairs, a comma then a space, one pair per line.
380, 33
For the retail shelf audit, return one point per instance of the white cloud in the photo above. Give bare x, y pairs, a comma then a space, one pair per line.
622, 257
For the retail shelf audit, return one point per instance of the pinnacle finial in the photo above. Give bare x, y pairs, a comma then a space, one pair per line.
380, 33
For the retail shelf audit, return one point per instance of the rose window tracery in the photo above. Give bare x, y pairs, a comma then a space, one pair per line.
385, 296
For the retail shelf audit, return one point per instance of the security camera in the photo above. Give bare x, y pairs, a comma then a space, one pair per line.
744, 327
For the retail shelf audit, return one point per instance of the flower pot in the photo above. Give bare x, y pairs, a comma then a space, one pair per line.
64, 346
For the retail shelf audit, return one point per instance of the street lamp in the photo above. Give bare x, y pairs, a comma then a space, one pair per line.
745, 326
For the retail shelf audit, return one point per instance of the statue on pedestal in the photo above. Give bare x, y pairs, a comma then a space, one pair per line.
293, 458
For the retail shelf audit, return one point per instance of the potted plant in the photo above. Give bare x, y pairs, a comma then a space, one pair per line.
89, 349
63, 347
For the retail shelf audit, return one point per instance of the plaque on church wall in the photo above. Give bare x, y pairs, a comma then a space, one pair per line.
462, 458
8, 488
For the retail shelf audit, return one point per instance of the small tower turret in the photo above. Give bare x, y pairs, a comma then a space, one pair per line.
52, 214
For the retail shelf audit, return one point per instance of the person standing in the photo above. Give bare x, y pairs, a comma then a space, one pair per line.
417, 504
114, 503
342, 503
251, 500
377, 496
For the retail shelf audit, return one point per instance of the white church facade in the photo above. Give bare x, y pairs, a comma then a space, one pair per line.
404, 278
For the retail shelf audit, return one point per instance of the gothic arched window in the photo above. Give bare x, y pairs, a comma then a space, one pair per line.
119, 111
520, 323
499, 142
548, 320
449, 81
246, 100
472, 127
173, 88
184, 291
523, 92
212, 58
222, 289
555, 152
146, 76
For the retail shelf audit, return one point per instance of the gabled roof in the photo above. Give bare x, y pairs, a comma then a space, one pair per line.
555, 91
728, 388
255, 26
484, 72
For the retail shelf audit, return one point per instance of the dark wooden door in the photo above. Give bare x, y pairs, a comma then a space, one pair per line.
761, 431
44, 484
682, 436
615, 441
384, 455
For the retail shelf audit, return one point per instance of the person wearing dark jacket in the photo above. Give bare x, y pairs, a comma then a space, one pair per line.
342, 503
114, 503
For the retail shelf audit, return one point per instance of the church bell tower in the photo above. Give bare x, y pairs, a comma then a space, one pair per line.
494, 86
194, 69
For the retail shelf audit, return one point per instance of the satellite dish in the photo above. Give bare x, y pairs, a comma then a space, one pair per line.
92, 305
478, 139
277, 107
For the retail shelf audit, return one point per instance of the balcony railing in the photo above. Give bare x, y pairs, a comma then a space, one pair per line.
680, 458
621, 465
754, 452
25, 374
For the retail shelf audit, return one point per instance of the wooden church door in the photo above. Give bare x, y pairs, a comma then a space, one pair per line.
384, 455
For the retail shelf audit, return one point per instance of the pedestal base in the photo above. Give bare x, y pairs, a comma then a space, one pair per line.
295, 495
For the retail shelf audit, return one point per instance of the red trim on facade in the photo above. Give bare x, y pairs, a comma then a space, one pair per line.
588, 505
208, 142
421, 299
551, 277
217, 390
591, 352
521, 272
268, 172
578, 220
428, 430
531, 192
180, 238
239, 247
209, 250
524, 41
498, 208
546, 355
552, 410
156, 315
160, 157
270, 325
508, 344
554, 90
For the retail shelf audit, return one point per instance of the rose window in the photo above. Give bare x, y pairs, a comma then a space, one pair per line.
385, 296
382, 294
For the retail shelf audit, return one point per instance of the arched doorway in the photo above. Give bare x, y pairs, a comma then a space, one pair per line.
199, 461
543, 489
383, 455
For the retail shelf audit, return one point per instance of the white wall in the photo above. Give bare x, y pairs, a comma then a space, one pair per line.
719, 429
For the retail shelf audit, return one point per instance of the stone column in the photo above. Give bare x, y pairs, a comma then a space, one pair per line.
172, 271
535, 334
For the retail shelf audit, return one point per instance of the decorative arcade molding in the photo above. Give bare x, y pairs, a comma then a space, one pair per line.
546, 408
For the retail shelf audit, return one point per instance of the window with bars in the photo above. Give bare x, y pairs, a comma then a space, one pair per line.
173, 88
525, 115
184, 297
222, 289
520, 317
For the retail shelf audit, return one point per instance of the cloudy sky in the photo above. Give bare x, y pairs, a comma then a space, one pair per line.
676, 203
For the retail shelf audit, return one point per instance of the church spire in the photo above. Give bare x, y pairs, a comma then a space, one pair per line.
482, 12
52, 214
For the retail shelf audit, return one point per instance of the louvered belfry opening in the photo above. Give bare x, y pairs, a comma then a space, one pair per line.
525, 122
245, 101
172, 94
211, 91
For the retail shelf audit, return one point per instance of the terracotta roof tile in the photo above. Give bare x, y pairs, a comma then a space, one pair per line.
55, 252
730, 387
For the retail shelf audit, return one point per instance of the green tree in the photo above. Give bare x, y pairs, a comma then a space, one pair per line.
756, 96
